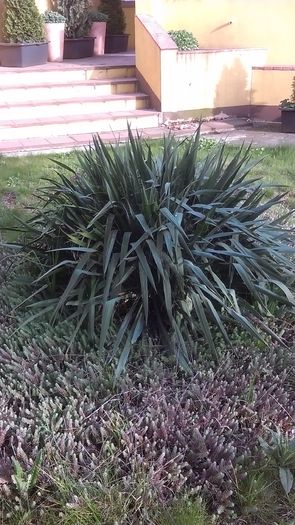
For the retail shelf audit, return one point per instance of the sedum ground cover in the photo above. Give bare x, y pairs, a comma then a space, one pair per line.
159, 444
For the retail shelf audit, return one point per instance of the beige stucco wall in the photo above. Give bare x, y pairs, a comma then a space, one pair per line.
209, 79
255, 23
183, 82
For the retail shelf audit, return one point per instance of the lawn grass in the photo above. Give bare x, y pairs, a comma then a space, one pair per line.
21, 176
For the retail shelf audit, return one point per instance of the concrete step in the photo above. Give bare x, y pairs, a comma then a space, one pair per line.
75, 106
21, 93
83, 123
57, 75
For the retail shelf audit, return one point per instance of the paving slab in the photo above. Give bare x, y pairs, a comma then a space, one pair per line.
263, 139
233, 131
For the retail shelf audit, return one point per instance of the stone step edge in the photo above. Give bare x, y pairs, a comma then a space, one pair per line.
71, 67
43, 121
75, 100
89, 82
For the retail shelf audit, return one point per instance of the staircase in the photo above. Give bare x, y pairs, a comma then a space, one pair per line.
61, 106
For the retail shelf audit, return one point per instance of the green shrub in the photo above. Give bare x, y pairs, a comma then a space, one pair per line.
23, 22
184, 40
76, 13
163, 246
116, 18
97, 16
52, 17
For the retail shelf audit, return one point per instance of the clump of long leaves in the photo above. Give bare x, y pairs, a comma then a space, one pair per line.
162, 244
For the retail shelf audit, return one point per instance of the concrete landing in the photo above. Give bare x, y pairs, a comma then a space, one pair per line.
108, 60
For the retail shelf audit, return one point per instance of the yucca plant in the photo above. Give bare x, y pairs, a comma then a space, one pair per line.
164, 245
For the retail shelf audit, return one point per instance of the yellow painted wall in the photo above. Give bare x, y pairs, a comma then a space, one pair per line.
130, 25
255, 23
269, 87
148, 58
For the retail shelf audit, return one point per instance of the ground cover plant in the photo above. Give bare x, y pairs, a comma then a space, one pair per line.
158, 445
161, 246
77, 447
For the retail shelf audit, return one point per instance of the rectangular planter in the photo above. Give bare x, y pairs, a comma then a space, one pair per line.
23, 55
79, 47
116, 43
288, 120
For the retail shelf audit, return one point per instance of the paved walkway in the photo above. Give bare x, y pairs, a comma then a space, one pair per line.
232, 130
259, 135
239, 131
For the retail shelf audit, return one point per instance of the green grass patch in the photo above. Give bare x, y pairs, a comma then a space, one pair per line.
277, 167
23, 175
20, 177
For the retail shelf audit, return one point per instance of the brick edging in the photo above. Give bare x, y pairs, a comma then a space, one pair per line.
275, 68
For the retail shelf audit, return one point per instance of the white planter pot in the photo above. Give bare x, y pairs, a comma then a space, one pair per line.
55, 34
98, 31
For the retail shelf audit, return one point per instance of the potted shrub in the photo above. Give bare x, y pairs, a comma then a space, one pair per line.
77, 44
288, 112
116, 39
24, 38
55, 33
98, 30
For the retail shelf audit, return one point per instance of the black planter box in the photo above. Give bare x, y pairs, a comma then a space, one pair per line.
116, 43
288, 120
79, 47
23, 55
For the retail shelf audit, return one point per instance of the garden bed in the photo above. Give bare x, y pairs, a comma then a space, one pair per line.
88, 437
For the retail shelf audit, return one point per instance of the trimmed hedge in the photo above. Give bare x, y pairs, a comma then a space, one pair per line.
23, 22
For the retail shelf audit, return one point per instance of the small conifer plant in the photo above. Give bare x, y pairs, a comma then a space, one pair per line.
23, 22
116, 18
